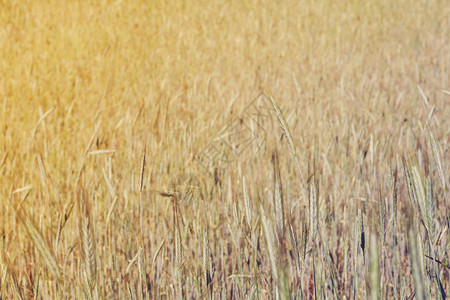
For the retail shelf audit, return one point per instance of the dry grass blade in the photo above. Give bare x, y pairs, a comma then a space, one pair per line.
141, 188
23, 189
157, 252
3, 161
109, 184
132, 262
113, 196
91, 141
41, 119
142, 169
111, 209
104, 151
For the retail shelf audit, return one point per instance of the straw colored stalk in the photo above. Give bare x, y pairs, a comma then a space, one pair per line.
40, 244
87, 240
286, 132
248, 212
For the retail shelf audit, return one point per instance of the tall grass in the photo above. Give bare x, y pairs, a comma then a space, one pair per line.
224, 150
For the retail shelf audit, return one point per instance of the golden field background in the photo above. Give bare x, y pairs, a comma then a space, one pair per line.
364, 89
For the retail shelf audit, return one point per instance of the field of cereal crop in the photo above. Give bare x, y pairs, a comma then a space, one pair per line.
224, 149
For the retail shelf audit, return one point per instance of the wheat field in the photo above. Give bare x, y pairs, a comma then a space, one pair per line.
224, 149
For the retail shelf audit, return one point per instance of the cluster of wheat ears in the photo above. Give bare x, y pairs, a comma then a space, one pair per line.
106, 108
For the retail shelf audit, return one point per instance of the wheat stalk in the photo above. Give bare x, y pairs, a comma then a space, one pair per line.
423, 202
141, 188
313, 213
296, 248
248, 212
207, 263
142, 274
278, 199
40, 244
374, 269
287, 132
436, 150
270, 241
278, 270
87, 240
417, 270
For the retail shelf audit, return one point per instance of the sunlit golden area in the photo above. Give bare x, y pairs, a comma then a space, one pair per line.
224, 149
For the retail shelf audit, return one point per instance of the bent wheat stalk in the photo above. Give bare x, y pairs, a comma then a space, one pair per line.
40, 244
287, 133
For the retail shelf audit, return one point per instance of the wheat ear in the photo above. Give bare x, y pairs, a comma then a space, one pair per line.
287, 133
87, 240
40, 244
